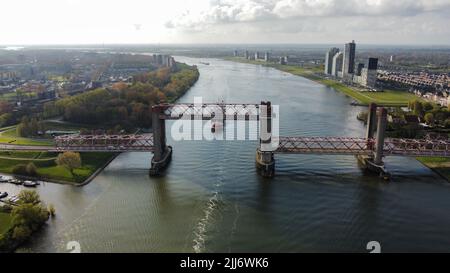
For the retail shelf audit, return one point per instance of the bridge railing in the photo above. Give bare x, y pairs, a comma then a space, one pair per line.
104, 143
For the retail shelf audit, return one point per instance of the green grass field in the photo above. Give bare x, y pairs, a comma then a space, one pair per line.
391, 98
9, 136
47, 168
5, 222
45, 161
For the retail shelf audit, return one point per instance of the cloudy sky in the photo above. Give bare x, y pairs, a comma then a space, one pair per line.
225, 21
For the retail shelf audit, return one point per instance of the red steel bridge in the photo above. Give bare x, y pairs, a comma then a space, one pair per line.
370, 149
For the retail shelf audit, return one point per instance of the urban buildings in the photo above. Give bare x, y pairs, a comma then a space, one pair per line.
247, 55
329, 60
342, 65
366, 74
163, 60
266, 57
235, 53
348, 65
336, 69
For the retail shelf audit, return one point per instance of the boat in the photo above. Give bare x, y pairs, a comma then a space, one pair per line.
3, 194
29, 183
15, 181
204, 63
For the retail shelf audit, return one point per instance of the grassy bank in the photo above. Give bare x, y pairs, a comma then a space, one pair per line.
440, 165
10, 136
48, 169
391, 98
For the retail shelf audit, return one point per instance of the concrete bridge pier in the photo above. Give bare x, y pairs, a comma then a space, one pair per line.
374, 163
265, 161
162, 153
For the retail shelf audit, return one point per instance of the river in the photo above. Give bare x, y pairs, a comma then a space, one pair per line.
212, 200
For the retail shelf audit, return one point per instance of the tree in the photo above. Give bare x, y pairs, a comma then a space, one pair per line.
69, 160
6, 119
29, 215
20, 169
429, 118
417, 108
31, 169
21, 233
29, 197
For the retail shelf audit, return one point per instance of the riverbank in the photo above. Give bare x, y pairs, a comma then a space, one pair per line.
389, 98
439, 165
46, 167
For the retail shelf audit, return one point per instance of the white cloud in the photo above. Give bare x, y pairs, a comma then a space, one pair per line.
331, 18
232, 11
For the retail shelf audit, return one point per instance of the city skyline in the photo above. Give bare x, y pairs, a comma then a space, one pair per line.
226, 22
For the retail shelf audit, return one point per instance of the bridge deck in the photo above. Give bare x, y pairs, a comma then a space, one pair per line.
287, 145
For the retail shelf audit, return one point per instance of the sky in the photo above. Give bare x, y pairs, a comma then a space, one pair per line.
415, 22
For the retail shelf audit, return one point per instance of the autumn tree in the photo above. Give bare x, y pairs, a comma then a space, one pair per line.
69, 160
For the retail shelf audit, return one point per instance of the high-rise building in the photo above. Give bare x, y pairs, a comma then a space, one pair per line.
266, 56
348, 65
329, 59
366, 74
256, 55
372, 63
359, 69
370, 77
336, 70
247, 56
235, 53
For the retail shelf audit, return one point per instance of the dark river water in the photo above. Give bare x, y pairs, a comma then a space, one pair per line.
212, 200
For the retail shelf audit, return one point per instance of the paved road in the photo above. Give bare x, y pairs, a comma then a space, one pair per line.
13, 147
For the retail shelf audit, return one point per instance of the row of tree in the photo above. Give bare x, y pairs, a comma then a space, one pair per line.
30, 127
126, 105
430, 113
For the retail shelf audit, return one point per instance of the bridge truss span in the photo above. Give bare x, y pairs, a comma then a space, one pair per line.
105, 143
325, 145
207, 111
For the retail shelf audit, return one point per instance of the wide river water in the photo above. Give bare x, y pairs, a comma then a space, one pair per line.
212, 200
